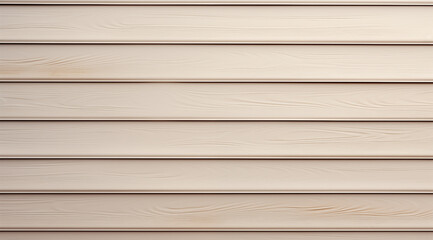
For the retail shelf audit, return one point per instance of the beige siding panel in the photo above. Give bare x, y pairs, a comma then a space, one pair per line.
216, 101
339, 63
218, 176
217, 24
139, 139
225, 2
216, 235
216, 212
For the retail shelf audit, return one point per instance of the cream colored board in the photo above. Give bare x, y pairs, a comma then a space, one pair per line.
217, 212
216, 176
216, 63
216, 24
216, 101
180, 139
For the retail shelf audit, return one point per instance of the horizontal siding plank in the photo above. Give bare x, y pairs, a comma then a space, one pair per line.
216, 24
339, 63
137, 139
216, 101
292, 212
216, 235
225, 2
217, 176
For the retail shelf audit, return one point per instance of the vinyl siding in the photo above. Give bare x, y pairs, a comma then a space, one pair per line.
217, 212
217, 63
216, 119
138, 139
217, 24
217, 101
216, 176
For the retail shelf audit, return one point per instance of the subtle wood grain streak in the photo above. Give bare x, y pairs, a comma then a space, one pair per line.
216, 139
217, 211
217, 235
121, 175
216, 63
216, 24
216, 101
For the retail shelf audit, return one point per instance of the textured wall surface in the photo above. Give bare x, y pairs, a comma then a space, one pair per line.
216, 119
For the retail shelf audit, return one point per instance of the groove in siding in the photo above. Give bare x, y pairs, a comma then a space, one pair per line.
216, 24
217, 235
339, 63
211, 101
137, 139
219, 176
225, 2
290, 212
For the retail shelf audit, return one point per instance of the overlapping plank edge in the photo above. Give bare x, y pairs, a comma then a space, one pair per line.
216, 24
215, 139
216, 176
216, 101
224, 2
217, 212
214, 63
216, 235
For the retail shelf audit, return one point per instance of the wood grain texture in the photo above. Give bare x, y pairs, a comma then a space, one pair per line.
216, 24
244, 212
224, 2
217, 235
136, 139
216, 176
216, 101
329, 63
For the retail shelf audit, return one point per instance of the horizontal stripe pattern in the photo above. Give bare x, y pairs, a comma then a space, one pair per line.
138, 139
216, 101
246, 63
216, 24
162, 119
216, 176
217, 212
